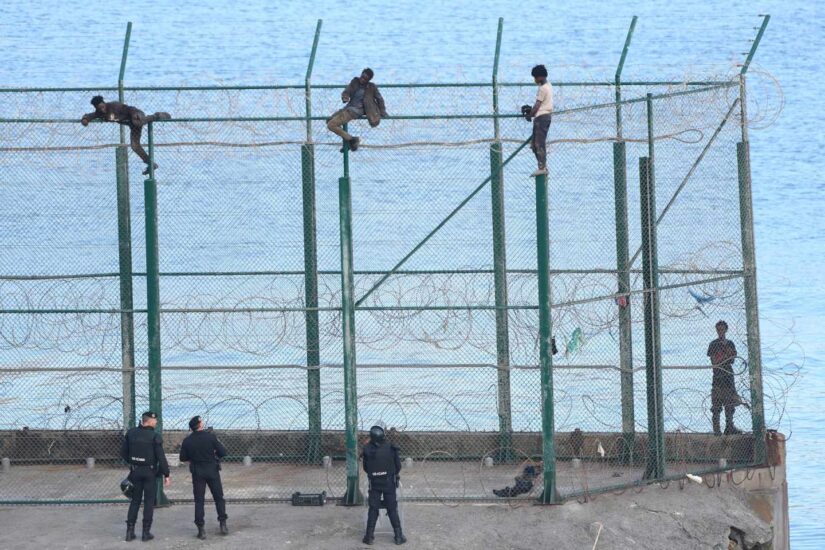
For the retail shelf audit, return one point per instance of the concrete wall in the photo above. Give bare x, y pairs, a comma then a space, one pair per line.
56, 445
768, 490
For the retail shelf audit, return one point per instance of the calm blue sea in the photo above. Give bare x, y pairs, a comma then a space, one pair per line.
68, 43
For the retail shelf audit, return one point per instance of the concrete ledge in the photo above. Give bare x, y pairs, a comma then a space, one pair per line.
291, 446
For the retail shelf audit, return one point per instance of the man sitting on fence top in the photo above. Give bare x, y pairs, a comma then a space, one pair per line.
362, 98
127, 115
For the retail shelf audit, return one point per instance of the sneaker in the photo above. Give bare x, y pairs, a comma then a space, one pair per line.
732, 430
541, 170
146, 172
353, 145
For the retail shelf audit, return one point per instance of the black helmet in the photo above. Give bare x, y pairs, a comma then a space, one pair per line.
377, 434
127, 488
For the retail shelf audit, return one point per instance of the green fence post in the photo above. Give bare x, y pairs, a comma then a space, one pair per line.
625, 319
311, 273
122, 73
623, 266
150, 193
308, 79
749, 269
353, 495
765, 20
505, 423
549, 494
618, 79
124, 237
655, 468
127, 320
311, 298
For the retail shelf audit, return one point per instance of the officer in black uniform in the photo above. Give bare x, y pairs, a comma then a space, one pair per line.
142, 448
382, 464
202, 450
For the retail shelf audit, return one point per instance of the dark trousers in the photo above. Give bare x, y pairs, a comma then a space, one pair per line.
522, 486
139, 120
723, 395
199, 483
538, 143
143, 478
382, 496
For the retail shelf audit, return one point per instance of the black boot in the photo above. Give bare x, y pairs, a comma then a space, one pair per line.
399, 536
716, 429
369, 536
372, 519
201, 532
730, 429
146, 536
130, 532
224, 528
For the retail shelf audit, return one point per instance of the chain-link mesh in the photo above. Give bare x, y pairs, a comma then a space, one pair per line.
251, 304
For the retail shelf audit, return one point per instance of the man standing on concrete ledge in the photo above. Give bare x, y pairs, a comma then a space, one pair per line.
722, 352
540, 113
362, 98
142, 449
202, 450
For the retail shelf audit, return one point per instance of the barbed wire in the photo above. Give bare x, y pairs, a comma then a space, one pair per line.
444, 319
93, 339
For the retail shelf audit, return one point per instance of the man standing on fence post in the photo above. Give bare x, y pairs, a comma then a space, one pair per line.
540, 113
362, 98
722, 352
202, 450
127, 115
142, 448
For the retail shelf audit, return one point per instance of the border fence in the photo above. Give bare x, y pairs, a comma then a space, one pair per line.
294, 292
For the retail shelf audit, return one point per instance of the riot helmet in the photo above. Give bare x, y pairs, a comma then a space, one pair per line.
377, 435
127, 488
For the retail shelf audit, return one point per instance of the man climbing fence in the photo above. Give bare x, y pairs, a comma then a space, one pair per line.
127, 115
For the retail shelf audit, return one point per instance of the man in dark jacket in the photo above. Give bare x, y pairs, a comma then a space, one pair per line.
203, 451
723, 394
142, 449
362, 98
127, 115
382, 463
523, 483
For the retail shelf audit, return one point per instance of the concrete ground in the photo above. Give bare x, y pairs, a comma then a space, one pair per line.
656, 518
423, 480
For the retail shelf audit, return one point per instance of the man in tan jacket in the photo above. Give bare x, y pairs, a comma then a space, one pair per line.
362, 98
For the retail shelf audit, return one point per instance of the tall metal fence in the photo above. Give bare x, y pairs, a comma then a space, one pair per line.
294, 292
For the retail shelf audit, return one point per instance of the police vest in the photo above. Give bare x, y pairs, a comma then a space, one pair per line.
382, 462
142, 447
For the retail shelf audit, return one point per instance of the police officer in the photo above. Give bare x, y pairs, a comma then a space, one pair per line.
203, 451
382, 464
142, 448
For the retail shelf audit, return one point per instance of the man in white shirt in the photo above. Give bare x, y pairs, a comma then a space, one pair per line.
541, 114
